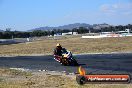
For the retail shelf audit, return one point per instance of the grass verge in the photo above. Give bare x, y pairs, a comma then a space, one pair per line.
75, 44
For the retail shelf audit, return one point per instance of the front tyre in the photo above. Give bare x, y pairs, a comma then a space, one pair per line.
65, 62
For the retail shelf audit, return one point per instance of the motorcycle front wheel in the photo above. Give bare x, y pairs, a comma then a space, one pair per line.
65, 62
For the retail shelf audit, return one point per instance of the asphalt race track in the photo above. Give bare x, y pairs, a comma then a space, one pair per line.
93, 63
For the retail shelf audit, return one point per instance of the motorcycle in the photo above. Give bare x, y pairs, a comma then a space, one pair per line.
66, 59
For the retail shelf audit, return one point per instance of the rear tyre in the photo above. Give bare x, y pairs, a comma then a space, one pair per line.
75, 62
80, 79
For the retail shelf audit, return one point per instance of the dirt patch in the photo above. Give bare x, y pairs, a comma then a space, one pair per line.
46, 79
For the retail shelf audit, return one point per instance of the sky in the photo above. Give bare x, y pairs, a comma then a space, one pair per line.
24, 15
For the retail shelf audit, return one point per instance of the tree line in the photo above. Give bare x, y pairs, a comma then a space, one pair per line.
8, 34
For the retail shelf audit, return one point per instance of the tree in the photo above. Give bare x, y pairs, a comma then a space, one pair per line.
1, 35
82, 30
8, 29
52, 33
65, 30
74, 30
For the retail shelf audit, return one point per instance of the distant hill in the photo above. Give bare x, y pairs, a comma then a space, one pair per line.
69, 26
1, 30
99, 26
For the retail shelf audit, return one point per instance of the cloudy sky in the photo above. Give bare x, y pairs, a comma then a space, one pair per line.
29, 14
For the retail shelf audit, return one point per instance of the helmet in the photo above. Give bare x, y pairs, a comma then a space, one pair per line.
58, 44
